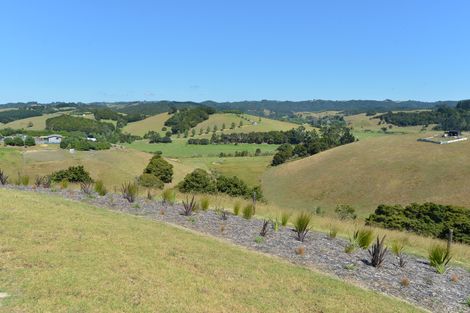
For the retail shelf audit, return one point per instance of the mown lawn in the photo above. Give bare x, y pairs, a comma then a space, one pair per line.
62, 256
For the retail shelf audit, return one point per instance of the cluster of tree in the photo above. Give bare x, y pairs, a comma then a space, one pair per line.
203, 141
82, 144
19, 142
428, 219
312, 143
447, 118
72, 123
157, 173
73, 174
13, 115
187, 118
155, 137
199, 181
243, 153
328, 120
106, 113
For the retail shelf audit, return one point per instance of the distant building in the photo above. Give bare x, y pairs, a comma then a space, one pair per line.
451, 133
49, 139
91, 138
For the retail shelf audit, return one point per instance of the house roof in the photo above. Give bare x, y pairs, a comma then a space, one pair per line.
49, 136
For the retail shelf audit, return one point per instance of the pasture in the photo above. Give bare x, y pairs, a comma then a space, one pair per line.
39, 122
140, 128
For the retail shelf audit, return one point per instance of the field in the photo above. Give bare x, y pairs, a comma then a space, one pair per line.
39, 122
140, 128
388, 169
180, 149
79, 258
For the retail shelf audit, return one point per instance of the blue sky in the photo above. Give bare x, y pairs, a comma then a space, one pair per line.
233, 50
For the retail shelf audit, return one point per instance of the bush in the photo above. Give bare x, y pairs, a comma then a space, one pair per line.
74, 174
160, 168
233, 186
439, 256
168, 196
198, 181
205, 203
236, 208
29, 141
130, 191
3, 178
248, 211
42, 181
345, 212
189, 206
302, 225
363, 237
100, 188
64, 184
150, 181
22, 180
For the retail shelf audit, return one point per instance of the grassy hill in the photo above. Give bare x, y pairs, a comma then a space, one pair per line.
154, 123
39, 122
79, 258
387, 169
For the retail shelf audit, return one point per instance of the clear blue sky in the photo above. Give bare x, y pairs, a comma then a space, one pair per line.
233, 50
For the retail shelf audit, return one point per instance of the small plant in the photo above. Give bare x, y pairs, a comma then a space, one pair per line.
264, 228
454, 278
38, 181
86, 187
236, 208
189, 206
64, 184
350, 267
248, 211
363, 237
467, 302
149, 195
169, 196
302, 225
333, 232
439, 256
22, 180
3, 178
405, 282
378, 252
100, 188
300, 250
275, 224
285, 218
259, 239
130, 191
222, 228
204, 203
222, 213
350, 248
398, 248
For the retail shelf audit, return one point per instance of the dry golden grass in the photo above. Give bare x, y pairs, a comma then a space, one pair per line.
154, 123
39, 122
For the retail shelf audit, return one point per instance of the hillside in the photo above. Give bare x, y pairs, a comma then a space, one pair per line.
80, 258
140, 128
387, 169
39, 122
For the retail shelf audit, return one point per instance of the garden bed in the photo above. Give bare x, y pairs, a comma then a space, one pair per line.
426, 288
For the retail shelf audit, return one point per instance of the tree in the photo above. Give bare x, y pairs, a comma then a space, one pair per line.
240, 124
208, 130
17, 141
223, 126
215, 128
232, 126
29, 141
198, 181
201, 131
345, 211
160, 168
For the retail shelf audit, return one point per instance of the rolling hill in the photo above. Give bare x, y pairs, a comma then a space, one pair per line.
140, 128
39, 122
80, 258
388, 169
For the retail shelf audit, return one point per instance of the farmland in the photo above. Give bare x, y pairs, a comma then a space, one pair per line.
152, 123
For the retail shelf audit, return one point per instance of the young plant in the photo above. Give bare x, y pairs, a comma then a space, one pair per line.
439, 256
300, 250
86, 187
149, 194
398, 248
275, 224
363, 237
467, 302
333, 232
169, 196
248, 211
130, 191
3, 178
405, 282
47, 181
64, 184
264, 229
100, 188
22, 180
189, 206
377, 252
204, 203
284, 218
259, 239
302, 225
38, 181
236, 208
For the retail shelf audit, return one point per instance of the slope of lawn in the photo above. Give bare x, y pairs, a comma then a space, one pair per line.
387, 169
63, 256
154, 123
39, 122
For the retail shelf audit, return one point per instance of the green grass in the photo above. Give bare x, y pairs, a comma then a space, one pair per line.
180, 149
79, 258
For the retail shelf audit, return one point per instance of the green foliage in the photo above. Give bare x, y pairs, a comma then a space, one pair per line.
169, 196
439, 256
13, 115
248, 211
81, 144
71, 123
198, 181
285, 218
64, 184
150, 181
130, 191
259, 239
14, 141
363, 237
333, 232
73, 174
160, 168
345, 211
377, 252
205, 203
187, 118
100, 188
302, 225
29, 141
236, 208
398, 249
233, 186
22, 180
428, 219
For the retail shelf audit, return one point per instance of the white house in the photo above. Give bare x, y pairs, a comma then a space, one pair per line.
49, 139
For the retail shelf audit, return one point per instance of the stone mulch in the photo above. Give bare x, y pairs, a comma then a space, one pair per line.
427, 289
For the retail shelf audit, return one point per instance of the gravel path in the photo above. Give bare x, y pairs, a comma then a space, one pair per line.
427, 289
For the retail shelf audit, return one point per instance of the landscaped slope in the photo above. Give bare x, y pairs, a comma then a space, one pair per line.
154, 123
64, 256
390, 169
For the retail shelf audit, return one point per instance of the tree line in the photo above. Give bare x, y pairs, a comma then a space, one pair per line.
186, 118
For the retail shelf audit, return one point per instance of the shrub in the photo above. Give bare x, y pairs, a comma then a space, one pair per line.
302, 225
74, 174
233, 186
22, 180
405, 282
169, 196
333, 232
198, 181
285, 218
259, 239
86, 187
467, 302
345, 212
264, 228
130, 191
398, 248
189, 206
100, 188
300, 250
150, 181
43, 181
29, 141
248, 211
236, 208
64, 184
3, 178
378, 252
364, 237
205, 203
160, 168
439, 256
